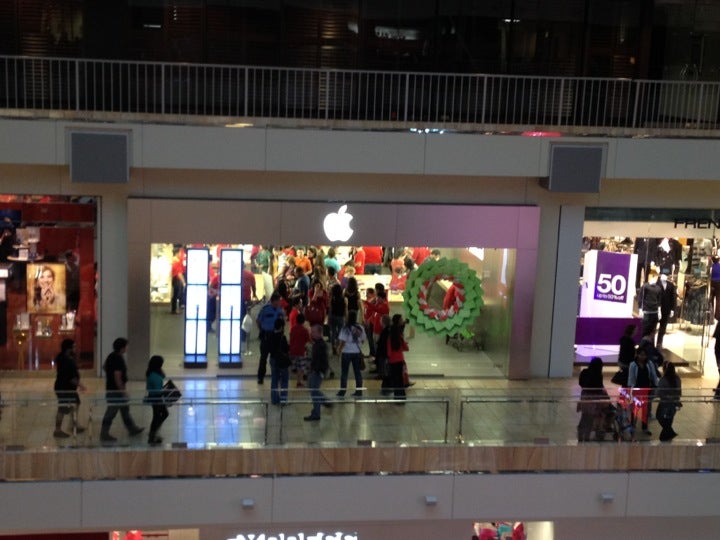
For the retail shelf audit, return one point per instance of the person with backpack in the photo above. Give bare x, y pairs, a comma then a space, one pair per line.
265, 320
350, 341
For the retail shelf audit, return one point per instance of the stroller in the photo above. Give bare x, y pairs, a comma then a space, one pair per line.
625, 414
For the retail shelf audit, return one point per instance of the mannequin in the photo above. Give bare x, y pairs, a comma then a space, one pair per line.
649, 304
668, 256
715, 286
668, 303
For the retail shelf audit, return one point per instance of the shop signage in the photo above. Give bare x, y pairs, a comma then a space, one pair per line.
298, 536
611, 283
337, 225
705, 223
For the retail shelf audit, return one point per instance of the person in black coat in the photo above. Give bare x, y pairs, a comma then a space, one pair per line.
649, 304
67, 383
279, 363
593, 400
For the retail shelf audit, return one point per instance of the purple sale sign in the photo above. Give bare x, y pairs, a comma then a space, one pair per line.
611, 276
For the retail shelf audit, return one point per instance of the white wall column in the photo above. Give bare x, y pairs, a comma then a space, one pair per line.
565, 304
544, 295
113, 272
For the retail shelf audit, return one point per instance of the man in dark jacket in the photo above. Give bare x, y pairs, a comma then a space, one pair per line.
318, 368
116, 392
67, 383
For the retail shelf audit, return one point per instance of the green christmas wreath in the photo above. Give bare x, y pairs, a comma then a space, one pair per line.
465, 308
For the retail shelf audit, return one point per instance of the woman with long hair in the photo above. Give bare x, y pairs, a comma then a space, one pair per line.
668, 391
352, 298
154, 378
336, 318
351, 339
593, 400
396, 356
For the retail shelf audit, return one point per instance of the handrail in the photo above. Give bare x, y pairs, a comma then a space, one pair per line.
163, 91
209, 421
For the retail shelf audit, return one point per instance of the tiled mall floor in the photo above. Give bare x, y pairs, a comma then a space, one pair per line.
459, 395
232, 411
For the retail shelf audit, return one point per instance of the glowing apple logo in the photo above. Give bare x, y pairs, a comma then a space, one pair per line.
337, 225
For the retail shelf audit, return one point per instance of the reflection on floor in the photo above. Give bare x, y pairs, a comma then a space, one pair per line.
429, 356
687, 349
226, 407
477, 411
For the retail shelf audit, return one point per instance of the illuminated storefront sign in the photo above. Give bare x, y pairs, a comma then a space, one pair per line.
298, 536
337, 225
690, 223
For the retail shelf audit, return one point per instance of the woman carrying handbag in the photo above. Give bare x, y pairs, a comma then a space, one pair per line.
154, 386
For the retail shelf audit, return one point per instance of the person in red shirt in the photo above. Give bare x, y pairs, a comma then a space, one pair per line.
295, 311
380, 307
177, 274
449, 301
373, 259
299, 338
316, 310
396, 357
368, 315
213, 294
359, 261
419, 254
248, 293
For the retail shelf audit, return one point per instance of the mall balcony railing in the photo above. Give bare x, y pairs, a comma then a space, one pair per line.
204, 420
210, 93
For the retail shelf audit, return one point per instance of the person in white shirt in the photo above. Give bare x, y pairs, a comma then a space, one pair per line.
350, 341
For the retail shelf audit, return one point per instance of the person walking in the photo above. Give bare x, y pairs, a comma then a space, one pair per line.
154, 379
67, 384
116, 392
318, 368
266, 319
279, 351
668, 391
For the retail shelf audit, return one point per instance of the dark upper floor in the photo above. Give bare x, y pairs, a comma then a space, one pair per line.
599, 38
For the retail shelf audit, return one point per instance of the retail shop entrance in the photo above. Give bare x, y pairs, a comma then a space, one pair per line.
496, 244
629, 253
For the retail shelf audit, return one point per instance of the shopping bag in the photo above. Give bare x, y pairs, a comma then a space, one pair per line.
170, 393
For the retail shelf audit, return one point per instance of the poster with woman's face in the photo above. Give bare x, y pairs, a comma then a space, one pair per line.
46, 288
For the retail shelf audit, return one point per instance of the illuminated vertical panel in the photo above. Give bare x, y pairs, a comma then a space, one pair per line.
231, 266
196, 295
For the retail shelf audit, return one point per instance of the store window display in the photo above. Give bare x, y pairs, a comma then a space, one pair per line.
46, 288
670, 298
496, 266
49, 295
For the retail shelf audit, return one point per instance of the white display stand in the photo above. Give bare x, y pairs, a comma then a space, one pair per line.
229, 337
196, 307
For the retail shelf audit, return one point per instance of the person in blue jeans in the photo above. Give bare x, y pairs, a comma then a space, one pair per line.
318, 368
279, 350
350, 341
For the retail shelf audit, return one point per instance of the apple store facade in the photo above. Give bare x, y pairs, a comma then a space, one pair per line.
498, 244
